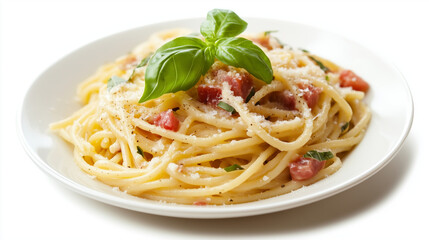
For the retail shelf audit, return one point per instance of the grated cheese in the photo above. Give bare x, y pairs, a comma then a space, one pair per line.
172, 166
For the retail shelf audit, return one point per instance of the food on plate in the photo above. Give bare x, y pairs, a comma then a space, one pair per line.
216, 118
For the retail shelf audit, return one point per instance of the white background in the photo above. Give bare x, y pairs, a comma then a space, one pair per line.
393, 204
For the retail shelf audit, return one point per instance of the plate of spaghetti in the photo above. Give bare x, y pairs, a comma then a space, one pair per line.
216, 117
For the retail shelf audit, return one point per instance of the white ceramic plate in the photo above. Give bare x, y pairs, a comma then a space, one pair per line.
52, 97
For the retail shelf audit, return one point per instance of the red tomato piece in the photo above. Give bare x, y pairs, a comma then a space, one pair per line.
241, 84
285, 98
167, 120
310, 93
350, 79
305, 168
263, 41
209, 94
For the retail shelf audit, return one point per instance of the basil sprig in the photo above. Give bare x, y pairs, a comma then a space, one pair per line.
179, 64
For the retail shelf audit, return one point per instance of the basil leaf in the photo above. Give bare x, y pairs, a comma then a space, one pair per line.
140, 151
209, 55
320, 64
269, 32
321, 156
233, 168
242, 53
176, 66
226, 107
222, 23
142, 63
251, 94
115, 81
345, 127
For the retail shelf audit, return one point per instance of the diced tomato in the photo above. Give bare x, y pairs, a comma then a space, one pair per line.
209, 94
285, 98
167, 120
263, 41
241, 84
350, 79
310, 93
305, 168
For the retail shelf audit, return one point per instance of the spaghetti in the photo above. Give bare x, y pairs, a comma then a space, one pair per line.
186, 148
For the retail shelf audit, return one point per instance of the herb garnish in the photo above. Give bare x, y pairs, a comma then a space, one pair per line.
226, 107
143, 63
251, 94
345, 127
140, 151
179, 64
321, 156
269, 32
233, 168
114, 81
320, 64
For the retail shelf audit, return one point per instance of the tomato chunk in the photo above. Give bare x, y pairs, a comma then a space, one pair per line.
350, 79
167, 120
241, 83
263, 41
305, 168
310, 93
209, 94
285, 98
